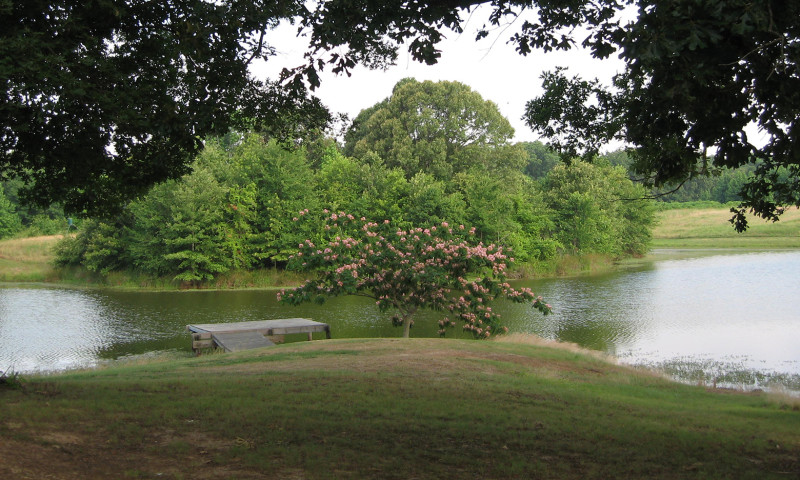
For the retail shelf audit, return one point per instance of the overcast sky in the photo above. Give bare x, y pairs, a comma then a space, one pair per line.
491, 67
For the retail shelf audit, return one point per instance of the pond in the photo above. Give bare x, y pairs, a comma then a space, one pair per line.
727, 318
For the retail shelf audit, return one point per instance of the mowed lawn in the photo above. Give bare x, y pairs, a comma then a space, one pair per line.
710, 228
391, 409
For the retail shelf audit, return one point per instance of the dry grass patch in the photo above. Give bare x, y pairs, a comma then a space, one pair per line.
704, 228
31, 249
531, 339
27, 259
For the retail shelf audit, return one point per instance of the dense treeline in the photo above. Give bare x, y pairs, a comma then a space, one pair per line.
236, 210
722, 185
28, 221
430, 153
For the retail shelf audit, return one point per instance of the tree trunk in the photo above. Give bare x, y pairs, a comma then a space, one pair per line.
406, 326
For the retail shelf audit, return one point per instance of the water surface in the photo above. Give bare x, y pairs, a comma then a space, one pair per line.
713, 317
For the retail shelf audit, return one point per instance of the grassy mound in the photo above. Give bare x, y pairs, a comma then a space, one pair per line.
383, 409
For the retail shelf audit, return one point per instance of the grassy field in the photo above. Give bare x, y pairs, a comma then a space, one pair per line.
27, 259
391, 409
709, 228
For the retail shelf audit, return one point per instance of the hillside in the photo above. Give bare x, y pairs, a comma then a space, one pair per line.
384, 409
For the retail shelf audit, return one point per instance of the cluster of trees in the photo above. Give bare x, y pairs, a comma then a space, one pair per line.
108, 98
18, 219
430, 153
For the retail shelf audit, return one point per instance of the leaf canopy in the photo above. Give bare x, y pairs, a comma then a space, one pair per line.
101, 99
699, 74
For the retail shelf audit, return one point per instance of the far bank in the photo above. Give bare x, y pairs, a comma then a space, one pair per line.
30, 260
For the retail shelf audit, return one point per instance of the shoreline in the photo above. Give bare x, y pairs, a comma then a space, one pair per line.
27, 262
563, 267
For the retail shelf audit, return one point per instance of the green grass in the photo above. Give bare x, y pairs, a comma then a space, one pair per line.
385, 409
27, 259
31, 260
709, 228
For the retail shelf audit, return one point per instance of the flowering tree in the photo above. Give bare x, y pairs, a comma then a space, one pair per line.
443, 268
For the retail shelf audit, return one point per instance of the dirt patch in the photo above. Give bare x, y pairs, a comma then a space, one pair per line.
70, 456
530, 339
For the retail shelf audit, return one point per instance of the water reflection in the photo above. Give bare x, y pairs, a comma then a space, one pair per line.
696, 316
707, 315
46, 329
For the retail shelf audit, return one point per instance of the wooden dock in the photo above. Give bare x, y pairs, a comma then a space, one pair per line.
236, 336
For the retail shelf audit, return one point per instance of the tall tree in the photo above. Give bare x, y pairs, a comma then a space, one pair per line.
541, 159
9, 220
598, 209
102, 99
698, 72
440, 128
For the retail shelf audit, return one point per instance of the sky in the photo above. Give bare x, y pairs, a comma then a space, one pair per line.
490, 67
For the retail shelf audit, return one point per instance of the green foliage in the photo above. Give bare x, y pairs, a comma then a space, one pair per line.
430, 201
238, 210
695, 79
598, 209
238, 231
35, 221
108, 98
369, 188
94, 116
700, 204
574, 114
440, 128
723, 186
9, 220
184, 223
103, 250
541, 159
45, 224
10, 379
697, 74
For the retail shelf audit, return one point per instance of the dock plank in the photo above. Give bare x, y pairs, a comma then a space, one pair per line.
237, 341
235, 336
266, 327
